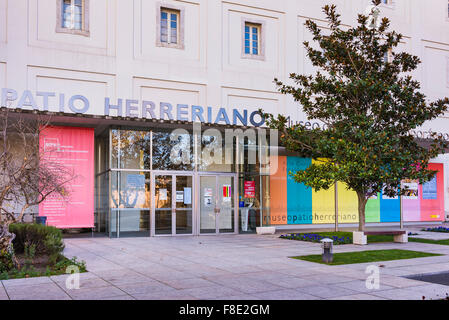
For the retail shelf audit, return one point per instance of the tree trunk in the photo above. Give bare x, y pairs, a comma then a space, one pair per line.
6, 239
362, 205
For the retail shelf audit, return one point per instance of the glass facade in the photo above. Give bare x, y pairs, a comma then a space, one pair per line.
164, 182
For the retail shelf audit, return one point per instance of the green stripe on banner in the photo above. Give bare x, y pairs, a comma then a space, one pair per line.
372, 211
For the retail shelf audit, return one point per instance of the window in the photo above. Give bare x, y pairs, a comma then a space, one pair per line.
253, 41
389, 3
73, 16
169, 26
388, 56
170, 31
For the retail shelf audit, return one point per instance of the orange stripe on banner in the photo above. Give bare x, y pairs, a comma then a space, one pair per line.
278, 192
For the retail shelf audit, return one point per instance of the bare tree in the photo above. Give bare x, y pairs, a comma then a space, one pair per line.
29, 173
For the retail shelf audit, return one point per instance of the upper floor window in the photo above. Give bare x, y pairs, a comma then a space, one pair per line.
170, 27
73, 16
389, 3
252, 38
388, 56
253, 41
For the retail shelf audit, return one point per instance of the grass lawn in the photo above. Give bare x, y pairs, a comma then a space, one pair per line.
368, 256
444, 242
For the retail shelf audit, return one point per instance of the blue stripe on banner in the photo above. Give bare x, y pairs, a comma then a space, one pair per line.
390, 209
299, 197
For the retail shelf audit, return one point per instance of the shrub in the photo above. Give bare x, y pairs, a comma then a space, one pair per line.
66, 262
6, 262
43, 239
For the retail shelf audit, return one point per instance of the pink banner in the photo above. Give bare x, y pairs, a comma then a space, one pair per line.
411, 202
432, 200
72, 148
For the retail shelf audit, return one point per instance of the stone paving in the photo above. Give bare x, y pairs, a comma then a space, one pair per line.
237, 267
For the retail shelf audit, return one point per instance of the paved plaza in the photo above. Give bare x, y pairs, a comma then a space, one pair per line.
237, 267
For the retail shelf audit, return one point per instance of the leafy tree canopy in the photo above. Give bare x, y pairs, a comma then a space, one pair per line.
364, 94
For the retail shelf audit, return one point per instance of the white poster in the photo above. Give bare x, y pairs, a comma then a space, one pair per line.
208, 192
187, 195
412, 189
208, 201
163, 194
179, 196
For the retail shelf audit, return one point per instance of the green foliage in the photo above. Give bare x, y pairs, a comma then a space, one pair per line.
42, 239
34, 240
6, 261
443, 242
65, 262
368, 104
59, 267
30, 253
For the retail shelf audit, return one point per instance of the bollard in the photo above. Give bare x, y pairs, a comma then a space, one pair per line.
327, 245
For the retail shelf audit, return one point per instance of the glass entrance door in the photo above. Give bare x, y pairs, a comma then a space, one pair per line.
217, 204
173, 205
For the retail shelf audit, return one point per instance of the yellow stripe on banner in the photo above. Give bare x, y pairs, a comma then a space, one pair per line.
323, 204
347, 205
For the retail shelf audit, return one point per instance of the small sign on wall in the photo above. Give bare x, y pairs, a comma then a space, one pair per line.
226, 193
249, 189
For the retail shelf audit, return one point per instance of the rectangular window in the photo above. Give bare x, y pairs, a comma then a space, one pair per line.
252, 39
169, 26
73, 14
388, 56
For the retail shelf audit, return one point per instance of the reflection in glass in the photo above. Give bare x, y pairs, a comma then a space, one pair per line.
163, 204
134, 223
171, 152
130, 190
249, 204
184, 193
131, 149
207, 204
214, 151
226, 204
130, 204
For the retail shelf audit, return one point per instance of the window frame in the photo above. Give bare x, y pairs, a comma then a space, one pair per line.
180, 23
447, 11
447, 71
84, 31
389, 57
261, 41
390, 4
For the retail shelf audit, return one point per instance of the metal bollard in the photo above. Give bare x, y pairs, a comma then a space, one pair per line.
327, 245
